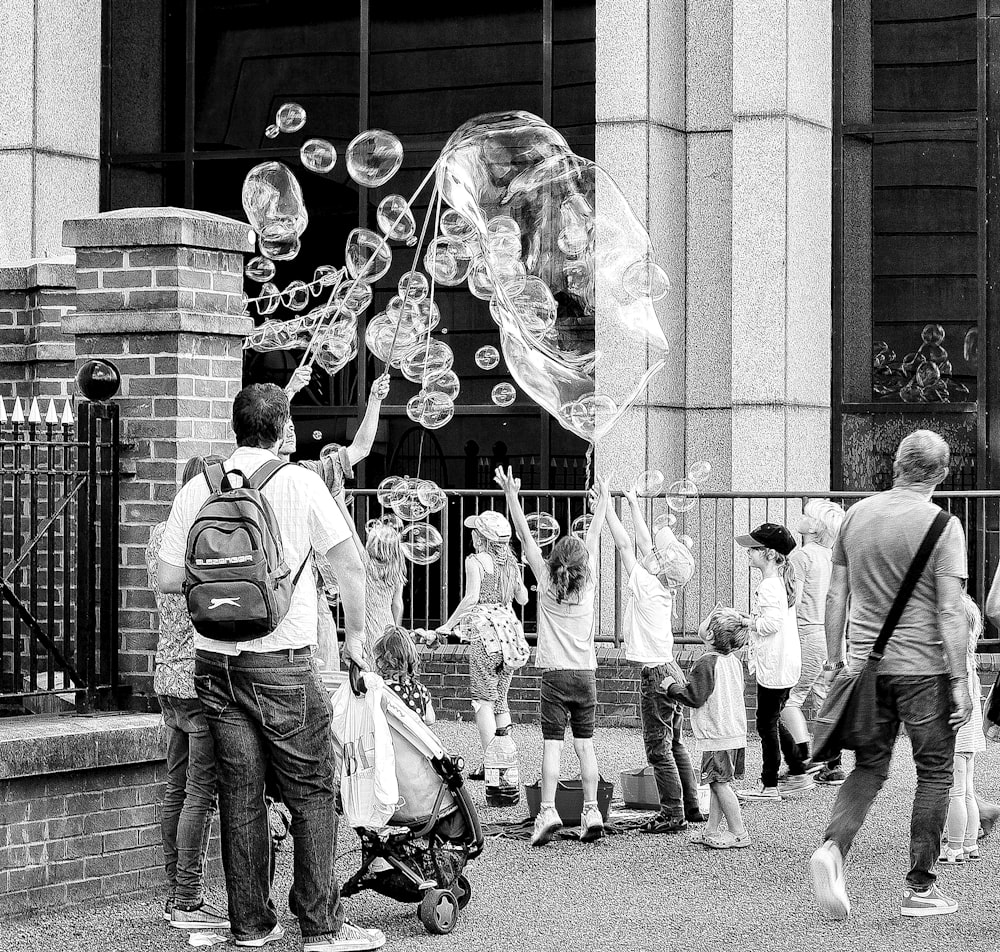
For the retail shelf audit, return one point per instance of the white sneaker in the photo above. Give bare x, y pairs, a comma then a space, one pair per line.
760, 795
796, 784
591, 825
927, 902
827, 866
547, 824
351, 938
275, 935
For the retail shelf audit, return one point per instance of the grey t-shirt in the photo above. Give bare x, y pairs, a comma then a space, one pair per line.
812, 568
878, 540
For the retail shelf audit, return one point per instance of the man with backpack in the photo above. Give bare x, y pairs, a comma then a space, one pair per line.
238, 544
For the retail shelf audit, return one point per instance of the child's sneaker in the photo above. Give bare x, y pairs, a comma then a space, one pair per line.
205, 916
661, 823
547, 824
831, 776
591, 825
927, 902
760, 794
827, 867
952, 857
796, 785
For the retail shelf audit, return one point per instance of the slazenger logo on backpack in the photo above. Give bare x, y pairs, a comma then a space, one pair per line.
237, 583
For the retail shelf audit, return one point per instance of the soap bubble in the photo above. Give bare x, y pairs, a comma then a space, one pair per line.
318, 155
405, 501
259, 269
533, 308
421, 544
333, 352
700, 471
385, 490
970, 346
581, 525
594, 257
291, 117
389, 340
352, 296
672, 563
648, 483
686, 541
430, 409
665, 520
389, 519
682, 495
317, 434
279, 243
456, 225
326, 275
448, 260
272, 131
413, 286
272, 200
367, 255
374, 157
295, 296
487, 357
544, 527
267, 303
427, 361
431, 495
503, 394
396, 220
446, 383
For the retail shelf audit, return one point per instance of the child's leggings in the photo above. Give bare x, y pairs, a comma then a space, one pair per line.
963, 812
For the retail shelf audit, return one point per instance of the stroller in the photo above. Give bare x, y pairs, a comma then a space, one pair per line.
434, 832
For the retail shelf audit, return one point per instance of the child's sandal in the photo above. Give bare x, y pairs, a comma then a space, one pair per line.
719, 841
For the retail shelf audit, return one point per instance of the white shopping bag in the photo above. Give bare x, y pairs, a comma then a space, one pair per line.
368, 788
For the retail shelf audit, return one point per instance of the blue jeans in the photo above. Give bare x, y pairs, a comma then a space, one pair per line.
189, 799
662, 720
269, 710
923, 703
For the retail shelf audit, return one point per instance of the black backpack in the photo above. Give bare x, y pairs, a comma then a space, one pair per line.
237, 584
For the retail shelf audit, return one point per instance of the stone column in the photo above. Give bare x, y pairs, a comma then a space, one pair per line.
160, 295
50, 100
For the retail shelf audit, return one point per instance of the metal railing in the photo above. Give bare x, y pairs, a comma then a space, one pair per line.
59, 554
712, 522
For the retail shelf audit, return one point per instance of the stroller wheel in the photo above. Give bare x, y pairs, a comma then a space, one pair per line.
462, 889
438, 911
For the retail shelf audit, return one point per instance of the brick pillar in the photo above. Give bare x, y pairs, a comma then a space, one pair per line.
160, 295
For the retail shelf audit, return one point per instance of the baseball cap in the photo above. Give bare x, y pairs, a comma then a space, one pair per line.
490, 524
768, 535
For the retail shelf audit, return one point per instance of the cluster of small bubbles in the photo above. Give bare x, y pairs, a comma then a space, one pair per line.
430, 409
367, 255
446, 383
421, 544
682, 495
426, 362
431, 495
291, 117
648, 483
405, 501
580, 526
396, 220
272, 131
374, 157
544, 527
413, 286
665, 520
700, 471
318, 155
487, 357
259, 269
503, 394
296, 296
267, 303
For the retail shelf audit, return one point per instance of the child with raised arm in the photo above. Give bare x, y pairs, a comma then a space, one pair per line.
719, 722
567, 583
649, 642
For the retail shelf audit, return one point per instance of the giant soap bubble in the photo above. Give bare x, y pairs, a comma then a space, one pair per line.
585, 350
272, 200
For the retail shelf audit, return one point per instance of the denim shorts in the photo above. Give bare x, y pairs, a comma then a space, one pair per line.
569, 696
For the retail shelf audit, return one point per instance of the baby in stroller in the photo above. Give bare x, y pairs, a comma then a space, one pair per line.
421, 853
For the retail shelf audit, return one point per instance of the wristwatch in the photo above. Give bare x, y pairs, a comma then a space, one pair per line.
833, 665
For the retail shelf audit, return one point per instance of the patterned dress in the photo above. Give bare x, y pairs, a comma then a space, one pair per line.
174, 667
411, 692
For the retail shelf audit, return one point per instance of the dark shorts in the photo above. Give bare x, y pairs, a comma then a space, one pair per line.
572, 696
723, 766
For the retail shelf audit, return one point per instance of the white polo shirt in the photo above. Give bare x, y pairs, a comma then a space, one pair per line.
309, 521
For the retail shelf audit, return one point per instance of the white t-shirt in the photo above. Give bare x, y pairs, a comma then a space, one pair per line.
309, 520
649, 638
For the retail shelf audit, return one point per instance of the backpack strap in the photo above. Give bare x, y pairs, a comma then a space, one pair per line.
214, 474
263, 474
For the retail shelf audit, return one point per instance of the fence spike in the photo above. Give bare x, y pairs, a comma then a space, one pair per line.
3, 412
67, 414
17, 416
34, 414
51, 417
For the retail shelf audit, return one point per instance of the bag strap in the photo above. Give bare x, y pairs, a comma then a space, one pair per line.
262, 474
909, 583
215, 473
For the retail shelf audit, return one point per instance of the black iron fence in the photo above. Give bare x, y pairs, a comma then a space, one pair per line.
59, 555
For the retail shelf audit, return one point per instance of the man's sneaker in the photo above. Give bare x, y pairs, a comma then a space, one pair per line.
927, 902
760, 795
547, 824
661, 823
206, 916
796, 785
168, 909
827, 867
275, 935
351, 938
952, 857
831, 776
812, 768
591, 825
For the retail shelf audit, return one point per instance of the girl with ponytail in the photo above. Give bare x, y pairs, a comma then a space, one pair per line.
774, 655
567, 583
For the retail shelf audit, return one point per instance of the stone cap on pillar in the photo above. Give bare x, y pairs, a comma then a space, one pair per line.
138, 227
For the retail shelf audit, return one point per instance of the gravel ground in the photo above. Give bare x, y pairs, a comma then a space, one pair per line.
628, 892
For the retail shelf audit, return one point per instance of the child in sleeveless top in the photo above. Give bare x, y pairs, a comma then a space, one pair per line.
385, 576
567, 582
486, 620
397, 663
